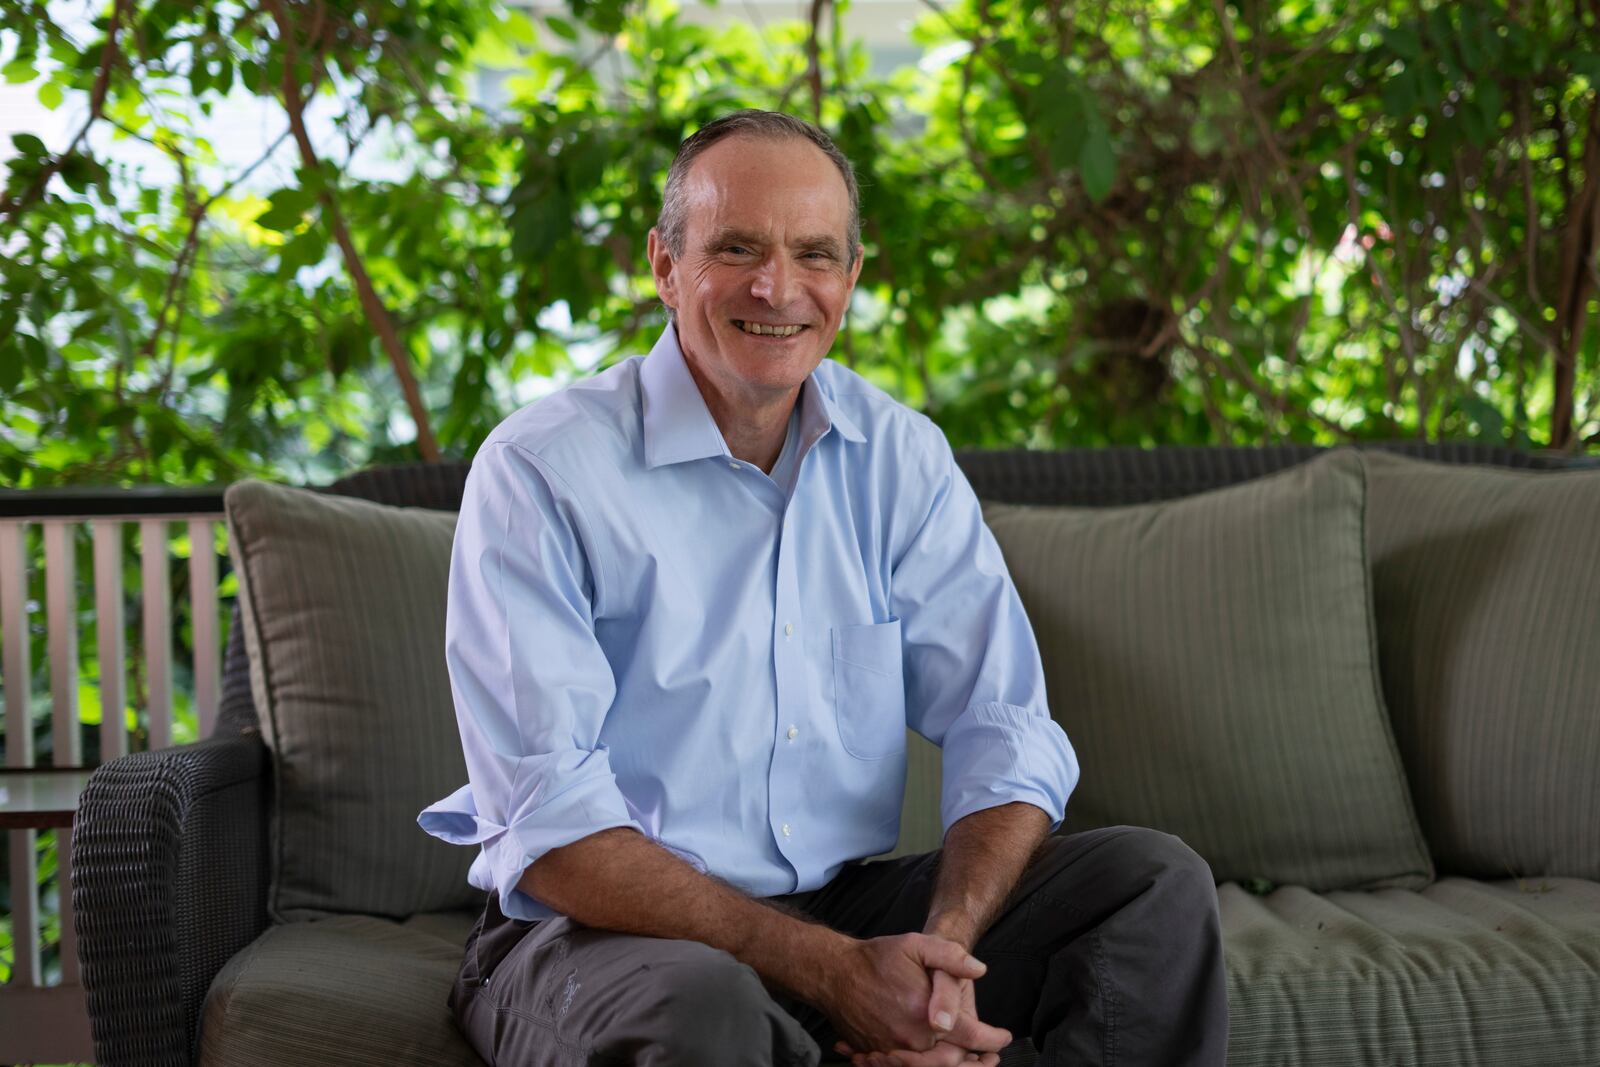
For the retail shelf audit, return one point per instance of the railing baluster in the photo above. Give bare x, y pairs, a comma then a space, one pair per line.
25, 969
19, 749
108, 620
61, 629
14, 659
69, 933
157, 628
203, 610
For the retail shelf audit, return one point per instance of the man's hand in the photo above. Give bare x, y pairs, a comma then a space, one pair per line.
879, 998
963, 1039
984, 855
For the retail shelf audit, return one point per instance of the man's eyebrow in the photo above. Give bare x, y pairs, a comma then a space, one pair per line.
822, 243
732, 237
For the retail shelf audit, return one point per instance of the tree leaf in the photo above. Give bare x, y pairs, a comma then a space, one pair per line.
28, 145
287, 210
1587, 64
1097, 162
10, 369
1062, 112
1098, 166
1403, 42
1490, 101
1400, 95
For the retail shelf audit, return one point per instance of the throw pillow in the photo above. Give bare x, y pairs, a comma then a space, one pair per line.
343, 603
1487, 587
1212, 659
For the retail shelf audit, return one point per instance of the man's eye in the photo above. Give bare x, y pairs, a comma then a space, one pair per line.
737, 250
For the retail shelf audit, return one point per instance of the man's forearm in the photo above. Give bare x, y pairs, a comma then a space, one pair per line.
984, 855
618, 879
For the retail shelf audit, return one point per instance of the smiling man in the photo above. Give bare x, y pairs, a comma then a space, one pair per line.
695, 603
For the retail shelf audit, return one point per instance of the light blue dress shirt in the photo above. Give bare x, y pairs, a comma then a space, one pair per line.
645, 631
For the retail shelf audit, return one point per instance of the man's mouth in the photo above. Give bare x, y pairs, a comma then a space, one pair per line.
762, 329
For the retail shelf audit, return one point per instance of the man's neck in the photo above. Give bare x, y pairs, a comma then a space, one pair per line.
754, 428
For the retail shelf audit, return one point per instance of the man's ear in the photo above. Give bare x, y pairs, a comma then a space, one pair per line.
855, 268
661, 265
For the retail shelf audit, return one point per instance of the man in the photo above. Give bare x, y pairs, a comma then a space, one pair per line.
695, 601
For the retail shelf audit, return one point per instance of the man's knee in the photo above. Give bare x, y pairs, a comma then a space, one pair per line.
1147, 863
1177, 883
1166, 856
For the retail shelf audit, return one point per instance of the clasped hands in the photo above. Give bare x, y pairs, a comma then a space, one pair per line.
912, 994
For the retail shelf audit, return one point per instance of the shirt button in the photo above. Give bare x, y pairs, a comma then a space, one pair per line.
785, 829
733, 464
788, 629
793, 733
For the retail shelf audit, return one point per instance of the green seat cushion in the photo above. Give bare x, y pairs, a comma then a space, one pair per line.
1212, 660
1487, 588
344, 991
343, 604
1461, 973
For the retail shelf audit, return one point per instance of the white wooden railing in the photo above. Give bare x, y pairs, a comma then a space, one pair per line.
40, 1019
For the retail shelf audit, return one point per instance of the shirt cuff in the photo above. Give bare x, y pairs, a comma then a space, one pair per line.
588, 802
1000, 753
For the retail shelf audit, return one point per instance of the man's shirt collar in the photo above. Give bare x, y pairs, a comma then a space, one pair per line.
678, 426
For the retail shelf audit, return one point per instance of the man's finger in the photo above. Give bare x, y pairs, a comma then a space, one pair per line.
942, 1054
944, 1004
949, 957
969, 1033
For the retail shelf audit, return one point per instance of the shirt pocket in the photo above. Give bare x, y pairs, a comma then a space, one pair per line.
869, 693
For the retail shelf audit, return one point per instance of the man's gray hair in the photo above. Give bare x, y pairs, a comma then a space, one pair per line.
770, 125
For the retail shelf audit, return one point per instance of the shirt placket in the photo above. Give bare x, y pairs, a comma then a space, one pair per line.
792, 731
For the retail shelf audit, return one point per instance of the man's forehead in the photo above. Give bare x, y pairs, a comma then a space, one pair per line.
758, 183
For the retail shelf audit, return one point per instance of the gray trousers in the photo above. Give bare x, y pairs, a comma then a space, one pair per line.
1108, 952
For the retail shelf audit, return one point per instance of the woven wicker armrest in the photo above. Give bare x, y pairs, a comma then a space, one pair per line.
169, 879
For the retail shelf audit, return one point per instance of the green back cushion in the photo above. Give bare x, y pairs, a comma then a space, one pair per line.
1213, 661
343, 603
1487, 587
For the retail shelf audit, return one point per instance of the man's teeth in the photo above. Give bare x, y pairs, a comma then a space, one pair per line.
771, 331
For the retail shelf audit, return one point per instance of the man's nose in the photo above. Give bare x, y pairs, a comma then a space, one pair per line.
774, 282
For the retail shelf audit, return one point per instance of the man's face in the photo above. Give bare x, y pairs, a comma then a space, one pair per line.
764, 250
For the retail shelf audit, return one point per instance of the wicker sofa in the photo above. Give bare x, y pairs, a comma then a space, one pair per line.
171, 868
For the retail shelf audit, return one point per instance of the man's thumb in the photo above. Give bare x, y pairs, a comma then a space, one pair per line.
951, 958
944, 1005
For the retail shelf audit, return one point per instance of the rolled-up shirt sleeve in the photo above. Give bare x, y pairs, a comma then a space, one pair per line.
531, 684
974, 680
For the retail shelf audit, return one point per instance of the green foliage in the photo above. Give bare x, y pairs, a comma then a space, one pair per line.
1140, 222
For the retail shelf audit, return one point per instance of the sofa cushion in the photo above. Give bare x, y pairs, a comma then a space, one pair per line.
346, 990
343, 604
1462, 972
1213, 661
1487, 587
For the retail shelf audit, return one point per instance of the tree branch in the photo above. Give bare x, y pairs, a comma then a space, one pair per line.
97, 101
1577, 255
377, 313
814, 59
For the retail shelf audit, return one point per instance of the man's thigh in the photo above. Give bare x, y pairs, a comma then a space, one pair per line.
558, 994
